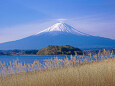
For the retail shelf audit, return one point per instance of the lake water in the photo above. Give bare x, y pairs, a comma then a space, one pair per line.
28, 59
41, 59
31, 59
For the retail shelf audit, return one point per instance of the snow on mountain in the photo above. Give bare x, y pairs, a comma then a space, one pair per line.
63, 27
59, 34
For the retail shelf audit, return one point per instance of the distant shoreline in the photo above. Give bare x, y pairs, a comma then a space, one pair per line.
37, 55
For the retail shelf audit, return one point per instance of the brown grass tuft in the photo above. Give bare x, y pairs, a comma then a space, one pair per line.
60, 72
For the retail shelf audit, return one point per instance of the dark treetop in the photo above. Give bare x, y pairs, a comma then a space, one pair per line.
59, 50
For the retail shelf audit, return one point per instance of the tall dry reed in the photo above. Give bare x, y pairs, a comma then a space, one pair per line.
90, 70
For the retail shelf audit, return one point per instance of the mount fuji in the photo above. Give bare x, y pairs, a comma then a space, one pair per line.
59, 34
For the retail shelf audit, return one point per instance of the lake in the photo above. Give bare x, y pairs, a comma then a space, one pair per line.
31, 59
28, 59
25, 63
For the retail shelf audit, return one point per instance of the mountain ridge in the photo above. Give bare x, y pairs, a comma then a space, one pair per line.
59, 34
63, 27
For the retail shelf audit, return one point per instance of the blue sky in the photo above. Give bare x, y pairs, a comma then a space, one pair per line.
22, 18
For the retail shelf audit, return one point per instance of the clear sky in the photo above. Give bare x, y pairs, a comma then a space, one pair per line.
22, 18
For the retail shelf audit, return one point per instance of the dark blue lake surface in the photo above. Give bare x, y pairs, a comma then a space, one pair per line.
28, 59
31, 59
9, 62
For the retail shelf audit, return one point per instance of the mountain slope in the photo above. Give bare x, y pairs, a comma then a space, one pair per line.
63, 27
59, 34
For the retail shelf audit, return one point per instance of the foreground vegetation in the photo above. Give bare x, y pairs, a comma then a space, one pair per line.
59, 72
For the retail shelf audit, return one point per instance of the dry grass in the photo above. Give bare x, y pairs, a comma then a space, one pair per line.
93, 73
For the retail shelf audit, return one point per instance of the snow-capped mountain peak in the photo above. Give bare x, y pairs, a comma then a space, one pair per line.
63, 27
59, 34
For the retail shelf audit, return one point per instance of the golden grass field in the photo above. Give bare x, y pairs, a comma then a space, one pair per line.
91, 73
